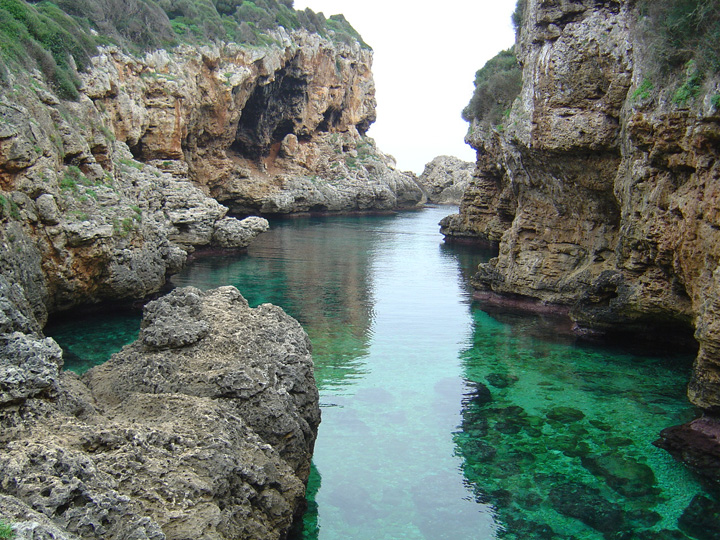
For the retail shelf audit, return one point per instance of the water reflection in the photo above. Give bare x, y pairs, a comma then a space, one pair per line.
317, 269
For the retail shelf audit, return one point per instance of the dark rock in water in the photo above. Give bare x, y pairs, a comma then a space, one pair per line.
585, 503
701, 519
602, 426
500, 380
618, 442
479, 451
696, 444
508, 427
625, 475
643, 519
565, 415
479, 395
527, 529
665, 534
475, 423
529, 500
501, 497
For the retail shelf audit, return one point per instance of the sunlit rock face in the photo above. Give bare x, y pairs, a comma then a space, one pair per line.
599, 199
273, 130
445, 179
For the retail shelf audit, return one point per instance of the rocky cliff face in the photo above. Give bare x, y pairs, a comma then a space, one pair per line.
272, 130
203, 428
101, 198
445, 179
602, 199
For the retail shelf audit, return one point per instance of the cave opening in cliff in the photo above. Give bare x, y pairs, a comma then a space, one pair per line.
331, 119
269, 113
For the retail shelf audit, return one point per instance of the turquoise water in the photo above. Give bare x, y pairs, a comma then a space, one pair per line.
441, 421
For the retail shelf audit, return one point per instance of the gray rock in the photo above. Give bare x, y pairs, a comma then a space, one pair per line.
47, 209
232, 233
29, 366
209, 439
445, 179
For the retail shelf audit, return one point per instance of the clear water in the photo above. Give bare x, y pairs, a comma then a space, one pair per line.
441, 421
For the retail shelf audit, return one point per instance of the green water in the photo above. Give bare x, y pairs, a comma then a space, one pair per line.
441, 421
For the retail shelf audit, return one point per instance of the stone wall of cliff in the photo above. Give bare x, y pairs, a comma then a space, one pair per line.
600, 197
102, 197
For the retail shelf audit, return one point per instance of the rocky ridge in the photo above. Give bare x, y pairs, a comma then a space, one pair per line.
601, 198
203, 428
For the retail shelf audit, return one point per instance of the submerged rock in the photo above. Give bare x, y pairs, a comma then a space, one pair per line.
701, 519
585, 503
199, 434
625, 475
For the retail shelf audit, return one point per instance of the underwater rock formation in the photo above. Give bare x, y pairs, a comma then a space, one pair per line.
202, 428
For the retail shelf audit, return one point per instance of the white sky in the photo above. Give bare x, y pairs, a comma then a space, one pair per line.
425, 58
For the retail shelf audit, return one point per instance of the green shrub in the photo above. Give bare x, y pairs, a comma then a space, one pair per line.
518, 14
497, 84
678, 31
690, 88
643, 91
6, 531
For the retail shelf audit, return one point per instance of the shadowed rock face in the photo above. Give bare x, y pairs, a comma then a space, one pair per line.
600, 200
203, 428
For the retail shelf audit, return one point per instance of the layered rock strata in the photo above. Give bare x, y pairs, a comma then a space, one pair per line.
601, 197
203, 428
445, 179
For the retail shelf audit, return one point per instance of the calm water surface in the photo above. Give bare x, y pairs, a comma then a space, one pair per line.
441, 421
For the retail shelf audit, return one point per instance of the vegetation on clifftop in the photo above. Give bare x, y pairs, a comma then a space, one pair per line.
59, 37
497, 84
681, 42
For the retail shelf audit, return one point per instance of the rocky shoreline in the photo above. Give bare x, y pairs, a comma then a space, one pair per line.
204, 427
599, 190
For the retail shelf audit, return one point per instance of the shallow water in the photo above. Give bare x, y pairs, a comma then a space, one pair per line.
441, 421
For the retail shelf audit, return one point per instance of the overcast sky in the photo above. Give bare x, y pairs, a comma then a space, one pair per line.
425, 58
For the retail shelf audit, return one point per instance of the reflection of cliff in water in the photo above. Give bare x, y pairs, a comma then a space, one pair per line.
317, 269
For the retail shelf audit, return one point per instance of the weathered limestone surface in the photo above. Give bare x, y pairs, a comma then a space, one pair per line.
203, 428
103, 197
445, 179
599, 200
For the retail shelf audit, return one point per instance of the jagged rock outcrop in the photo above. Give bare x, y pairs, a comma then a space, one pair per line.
81, 220
103, 197
203, 428
445, 179
601, 197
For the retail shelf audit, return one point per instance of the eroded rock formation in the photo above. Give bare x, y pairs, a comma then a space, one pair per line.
445, 179
601, 198
103, 197
203, 428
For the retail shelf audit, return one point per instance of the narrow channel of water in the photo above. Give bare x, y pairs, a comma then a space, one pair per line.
441, 421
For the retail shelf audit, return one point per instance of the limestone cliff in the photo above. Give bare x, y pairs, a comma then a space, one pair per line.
203, 428
601, 196
103, 196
